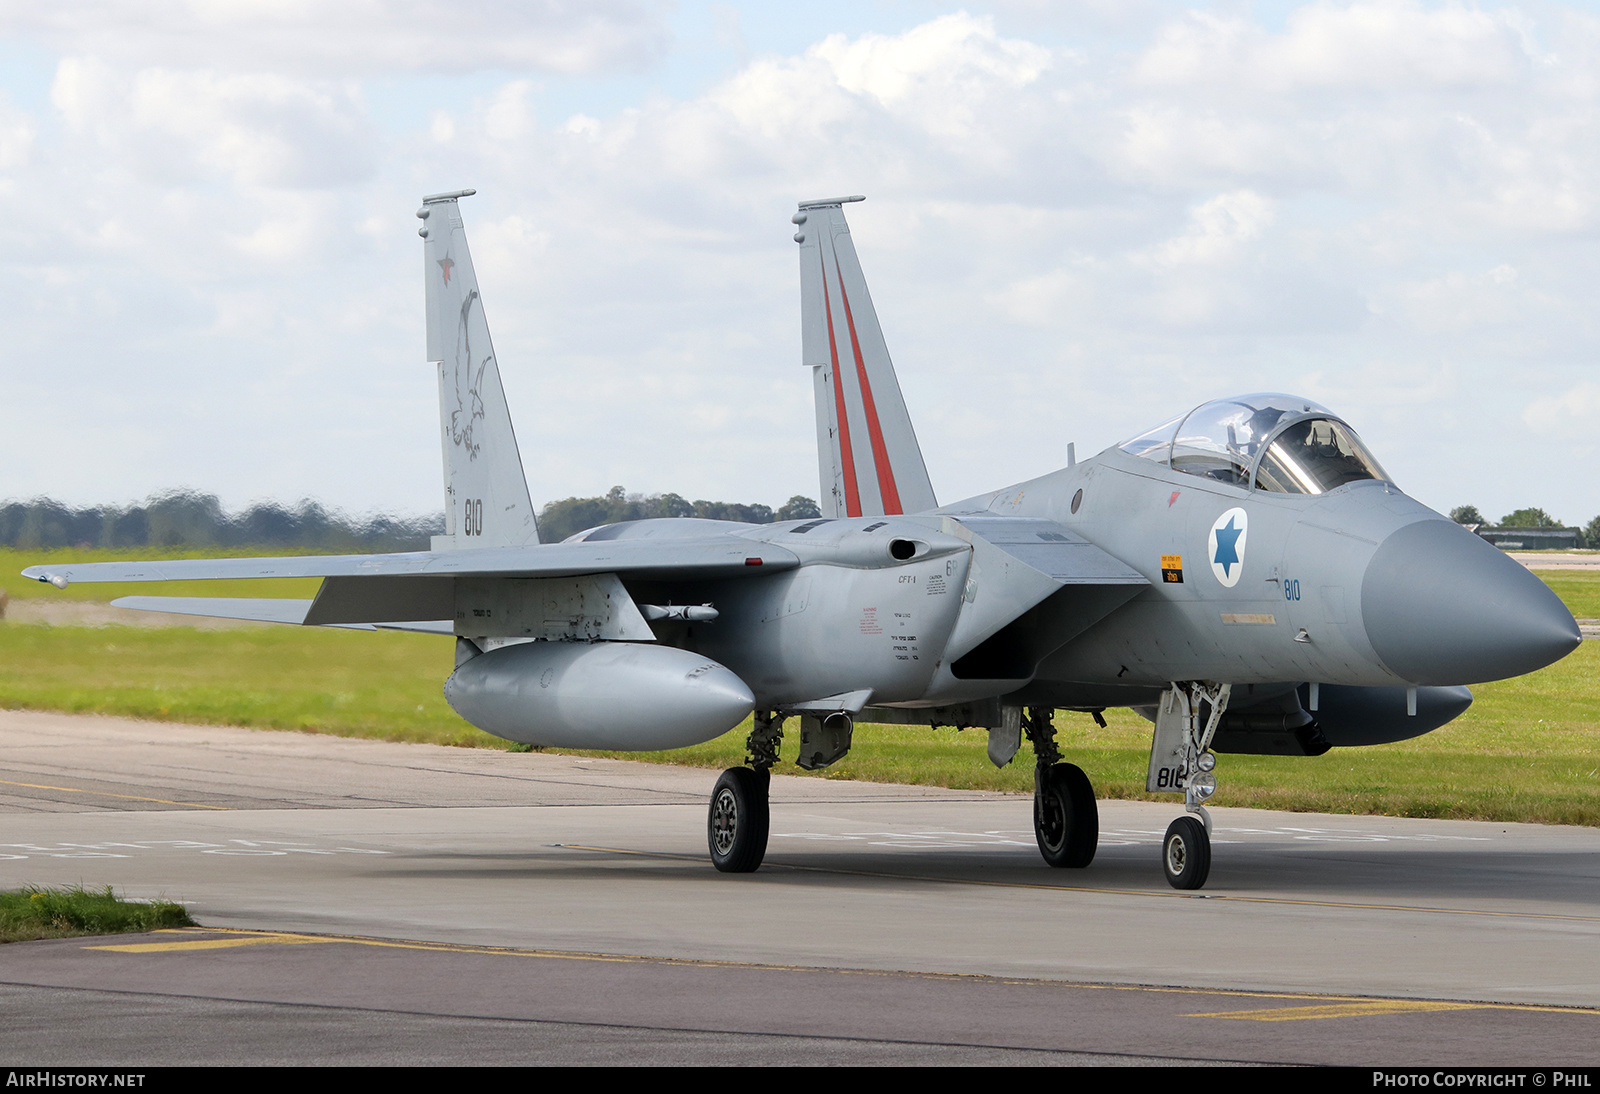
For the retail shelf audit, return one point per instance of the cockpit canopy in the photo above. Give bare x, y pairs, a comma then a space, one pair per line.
1266, 441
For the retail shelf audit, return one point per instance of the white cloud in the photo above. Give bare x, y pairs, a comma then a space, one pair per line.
17, 134
1218, 229
352, 37
1574, 414
932, 68
179, 127
1063, 242
510, 115
1364, 48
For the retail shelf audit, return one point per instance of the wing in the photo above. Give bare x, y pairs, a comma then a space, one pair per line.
420, 587
263, 610
721, 556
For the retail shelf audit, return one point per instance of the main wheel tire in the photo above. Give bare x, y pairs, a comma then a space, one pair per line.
737, 825
1186, 854
1066, 821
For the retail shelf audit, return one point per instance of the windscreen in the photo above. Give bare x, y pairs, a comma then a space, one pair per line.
1315, 456
1220, 440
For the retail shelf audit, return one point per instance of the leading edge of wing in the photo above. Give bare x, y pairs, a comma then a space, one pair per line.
721, 557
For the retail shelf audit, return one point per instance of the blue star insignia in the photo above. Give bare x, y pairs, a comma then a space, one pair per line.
1226, 539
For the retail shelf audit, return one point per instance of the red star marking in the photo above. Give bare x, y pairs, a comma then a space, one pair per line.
446, 265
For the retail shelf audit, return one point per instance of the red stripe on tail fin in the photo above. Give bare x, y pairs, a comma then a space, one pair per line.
852, 493
887, 490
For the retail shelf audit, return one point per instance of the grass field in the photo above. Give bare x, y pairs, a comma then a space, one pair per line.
1578, 588
14, 561
1528, 749
27, 914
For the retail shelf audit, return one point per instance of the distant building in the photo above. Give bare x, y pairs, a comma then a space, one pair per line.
1532, 539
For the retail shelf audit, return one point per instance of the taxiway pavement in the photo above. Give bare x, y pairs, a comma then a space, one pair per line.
370, 902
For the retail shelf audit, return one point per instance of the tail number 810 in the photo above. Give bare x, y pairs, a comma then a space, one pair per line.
473, 517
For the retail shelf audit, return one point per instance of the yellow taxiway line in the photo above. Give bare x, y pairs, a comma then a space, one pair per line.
1313, 1006
108, 794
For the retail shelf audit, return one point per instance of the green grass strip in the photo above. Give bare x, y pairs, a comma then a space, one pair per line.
14, 560
1527, 750
1578, 589
27, 914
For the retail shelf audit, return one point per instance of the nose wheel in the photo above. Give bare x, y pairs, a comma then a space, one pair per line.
739, 819
1186, 853
1181, 761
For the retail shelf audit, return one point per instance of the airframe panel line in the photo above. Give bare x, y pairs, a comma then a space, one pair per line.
1157, 894
1325, 1006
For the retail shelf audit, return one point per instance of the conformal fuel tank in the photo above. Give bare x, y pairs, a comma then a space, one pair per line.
620, 695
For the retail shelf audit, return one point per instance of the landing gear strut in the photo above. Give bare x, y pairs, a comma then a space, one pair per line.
1066, 822
1181, 760
740, 816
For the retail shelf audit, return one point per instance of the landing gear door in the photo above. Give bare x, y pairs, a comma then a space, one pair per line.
1167, 745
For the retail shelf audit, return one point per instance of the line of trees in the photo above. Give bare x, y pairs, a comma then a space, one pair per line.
560, 519
1525, 518
182, 518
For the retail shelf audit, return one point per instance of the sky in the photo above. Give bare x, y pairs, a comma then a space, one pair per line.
1083, 218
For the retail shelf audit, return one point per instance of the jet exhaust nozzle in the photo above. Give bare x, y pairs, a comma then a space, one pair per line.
611, 695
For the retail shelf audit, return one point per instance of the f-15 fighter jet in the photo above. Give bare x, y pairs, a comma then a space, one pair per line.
1245, 575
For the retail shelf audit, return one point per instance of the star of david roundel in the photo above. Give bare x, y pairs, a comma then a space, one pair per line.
1226, 546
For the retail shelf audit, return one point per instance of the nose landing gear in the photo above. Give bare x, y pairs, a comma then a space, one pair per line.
1186, 853
1181, 761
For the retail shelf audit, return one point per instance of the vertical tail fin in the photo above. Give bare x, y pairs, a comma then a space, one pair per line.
870, 462
485, 494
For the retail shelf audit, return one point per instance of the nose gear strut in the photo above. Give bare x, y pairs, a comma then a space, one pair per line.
1181, 761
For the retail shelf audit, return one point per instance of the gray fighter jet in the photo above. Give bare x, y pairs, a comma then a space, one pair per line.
1245, 575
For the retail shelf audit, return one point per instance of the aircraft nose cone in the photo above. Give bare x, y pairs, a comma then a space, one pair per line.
1442, 606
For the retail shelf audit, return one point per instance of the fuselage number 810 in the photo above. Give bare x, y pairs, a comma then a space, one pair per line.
473, 517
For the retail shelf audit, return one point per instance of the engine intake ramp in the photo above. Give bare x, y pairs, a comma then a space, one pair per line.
1033, 586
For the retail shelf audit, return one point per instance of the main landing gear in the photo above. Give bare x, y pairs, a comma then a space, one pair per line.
740, 817
1066, 822
739, 821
